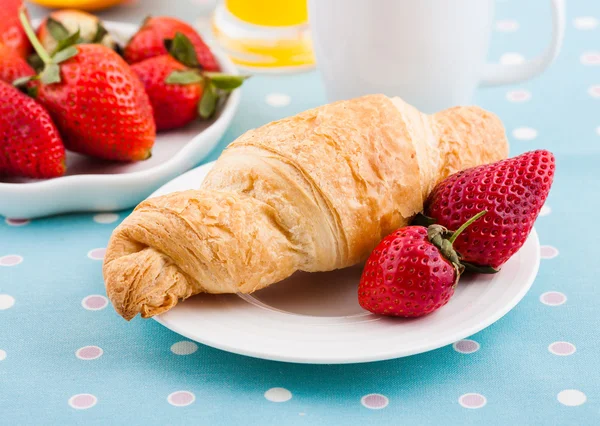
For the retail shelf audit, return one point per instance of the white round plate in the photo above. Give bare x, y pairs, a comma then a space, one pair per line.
315, 318
95, 185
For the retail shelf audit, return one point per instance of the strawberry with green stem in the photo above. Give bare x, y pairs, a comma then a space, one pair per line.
178, 88
413, 271
96, 100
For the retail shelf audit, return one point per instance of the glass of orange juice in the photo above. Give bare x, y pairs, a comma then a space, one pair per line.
265, 35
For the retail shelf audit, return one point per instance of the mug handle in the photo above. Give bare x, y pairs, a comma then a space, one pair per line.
497, 74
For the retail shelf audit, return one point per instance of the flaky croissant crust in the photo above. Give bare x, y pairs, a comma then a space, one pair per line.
312, 192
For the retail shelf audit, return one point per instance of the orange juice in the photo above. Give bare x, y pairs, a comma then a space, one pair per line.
270, 35
269, 13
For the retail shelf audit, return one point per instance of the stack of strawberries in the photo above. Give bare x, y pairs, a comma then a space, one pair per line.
70, 86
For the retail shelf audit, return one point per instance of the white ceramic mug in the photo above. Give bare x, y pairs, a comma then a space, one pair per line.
429, 52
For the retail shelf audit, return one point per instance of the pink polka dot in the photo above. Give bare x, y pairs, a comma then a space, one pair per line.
594, 91
97, 253
507, 25
472, 400
562, 348
83, 401
375, 401
466, 346
89, 352
181, 398
94, 302
548, 252
553, 298
10, 260
518, 96
590, 58
16, 222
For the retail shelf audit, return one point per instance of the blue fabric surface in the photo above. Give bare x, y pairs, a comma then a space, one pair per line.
514, 369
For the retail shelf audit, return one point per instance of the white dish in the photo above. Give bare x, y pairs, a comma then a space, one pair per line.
96, 185
315, 318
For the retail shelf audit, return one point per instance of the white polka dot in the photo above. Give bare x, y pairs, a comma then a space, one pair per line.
278, 99
375, 401
594, 91
302, 414
278, 395
2, 354
94, 302
585, 23
16, 222
571, 397
507, 25
185, 347
598, 130
11, 260
512, 58
525, 133
6, 302
553, 298
562, 348
83, 401
472, 400
548, 252
466, 346
546, 210
106, 217
88, 353
518, 96
590, 58
97, 253
181, 398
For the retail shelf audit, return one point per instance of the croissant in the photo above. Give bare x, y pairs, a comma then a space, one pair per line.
313, 192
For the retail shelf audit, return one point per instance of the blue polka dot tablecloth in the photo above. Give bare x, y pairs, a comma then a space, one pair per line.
67, 358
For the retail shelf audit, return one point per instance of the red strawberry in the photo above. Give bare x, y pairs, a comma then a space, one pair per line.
64, 23
11, 31
30, 145
149, 41
179, 91
412, 272
512, 191
174, 105
12, 66
96, 100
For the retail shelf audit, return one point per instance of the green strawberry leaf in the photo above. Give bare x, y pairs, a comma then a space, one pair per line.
32, 91
208, 103
182, 49
22, 81
226, 81
101, 32
50, 74
56, 29
479, 269
184, 77
67, 42
65, 54
36, 62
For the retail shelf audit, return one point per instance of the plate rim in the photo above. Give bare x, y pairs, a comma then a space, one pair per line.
380, 356
165, 168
